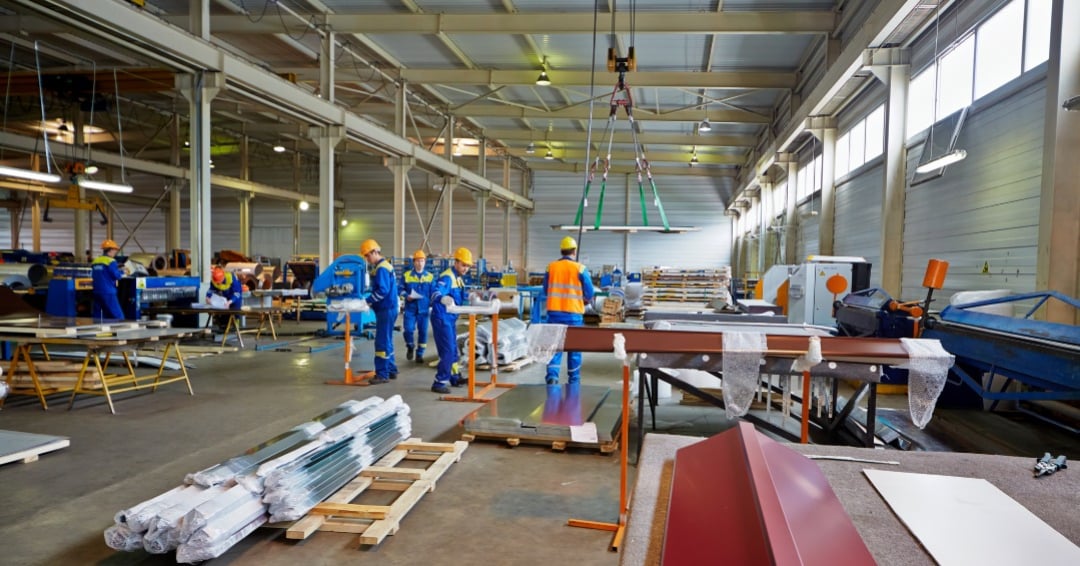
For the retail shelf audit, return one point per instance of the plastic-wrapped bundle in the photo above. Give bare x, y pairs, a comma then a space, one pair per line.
164, 532
200, 516
121, 537
250, 460
190, 555
138, 518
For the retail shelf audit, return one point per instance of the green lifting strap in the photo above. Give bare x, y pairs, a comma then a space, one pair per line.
644, 211
659, 205
581, 205
600, 204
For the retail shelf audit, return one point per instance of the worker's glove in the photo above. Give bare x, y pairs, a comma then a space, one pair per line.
447, 300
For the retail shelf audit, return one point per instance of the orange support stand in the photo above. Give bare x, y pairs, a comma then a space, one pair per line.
351, 378
624, 504
804, 437
474, 396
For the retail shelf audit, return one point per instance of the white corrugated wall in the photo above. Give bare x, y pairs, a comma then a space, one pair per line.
982, 215
688, 201
858, 217
807, 223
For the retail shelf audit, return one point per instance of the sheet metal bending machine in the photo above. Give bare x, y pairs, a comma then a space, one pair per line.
346, 278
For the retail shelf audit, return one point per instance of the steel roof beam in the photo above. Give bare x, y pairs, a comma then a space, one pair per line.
579, 167
544, 23
652, 156
172, 46
648, 138
582, 111
750, 79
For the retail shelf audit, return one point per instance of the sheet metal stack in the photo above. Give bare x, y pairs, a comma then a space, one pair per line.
513, 344
278, 480
685, 285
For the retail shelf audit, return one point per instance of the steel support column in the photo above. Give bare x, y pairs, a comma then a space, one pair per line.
245, 223
506, 215
82, 217
481, 158
35, 223
1058, 261
172, 219
199, 89
524, 221
449, 185
199, 19
764, 204
327, 65
400, 167
895, 190
482, 199
327, 138
790, 162
824, 129
627, 183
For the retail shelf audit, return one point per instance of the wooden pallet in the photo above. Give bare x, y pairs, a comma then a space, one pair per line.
510, 367
556, 445
338, 514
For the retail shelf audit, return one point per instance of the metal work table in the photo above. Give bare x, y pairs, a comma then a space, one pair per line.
99, 350
1054, 499
266, 316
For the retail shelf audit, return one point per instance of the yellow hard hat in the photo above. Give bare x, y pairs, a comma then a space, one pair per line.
568, 243
464, 256
419, 254
368, 246
110, 245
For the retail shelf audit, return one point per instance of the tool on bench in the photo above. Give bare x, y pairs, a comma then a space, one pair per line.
1047, 465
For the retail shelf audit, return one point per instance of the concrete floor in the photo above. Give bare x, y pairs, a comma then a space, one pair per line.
499, 505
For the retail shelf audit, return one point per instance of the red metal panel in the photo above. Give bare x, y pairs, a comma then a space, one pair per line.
586, 339
742, 498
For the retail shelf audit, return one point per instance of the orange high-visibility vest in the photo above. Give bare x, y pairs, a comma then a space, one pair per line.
564, 292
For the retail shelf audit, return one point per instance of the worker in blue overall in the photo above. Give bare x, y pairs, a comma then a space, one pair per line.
383, 299
106, 273
567, 286
416, 287
226, 285
449, 288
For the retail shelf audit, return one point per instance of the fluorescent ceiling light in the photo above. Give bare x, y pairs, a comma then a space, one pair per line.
103, 186
344, 222
279, 148
543, 79
304, 205
705, 126
91, 169
29, 175
943, 161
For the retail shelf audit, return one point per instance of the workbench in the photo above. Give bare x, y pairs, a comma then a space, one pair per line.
99, 351
265, 315
1053, 499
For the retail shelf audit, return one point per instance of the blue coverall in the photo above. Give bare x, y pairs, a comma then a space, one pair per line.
105, 273
417, 311
573, 359
444, 325
230, 288
384, 301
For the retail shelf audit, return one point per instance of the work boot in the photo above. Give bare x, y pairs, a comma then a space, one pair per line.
393, 375
440, 387
552, 380
458, 381
419, 357
409, 353
379, 379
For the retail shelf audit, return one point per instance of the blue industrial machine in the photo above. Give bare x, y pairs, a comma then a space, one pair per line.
70, 290
874, 313
136, 294
1043, 356
346, 278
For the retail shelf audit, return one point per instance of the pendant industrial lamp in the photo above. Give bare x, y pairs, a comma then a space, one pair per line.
543, 79
85, 182
954, 154
44, 177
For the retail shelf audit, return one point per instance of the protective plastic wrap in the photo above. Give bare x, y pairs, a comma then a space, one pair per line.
348, 305
545, 340
164, 532
811, 358
928, 367
189, 555
121, 537
742, 366
138, 518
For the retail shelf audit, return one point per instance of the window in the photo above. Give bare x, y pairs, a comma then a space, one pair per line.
1037, 41
778, 200
921, 101
842, 161
803, 185
997, 55
875, 133
815, 182
857, 137
957, 68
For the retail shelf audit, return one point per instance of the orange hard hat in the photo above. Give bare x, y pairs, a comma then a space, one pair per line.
368, 246
110, 245
419, 254
217, 274
464, 256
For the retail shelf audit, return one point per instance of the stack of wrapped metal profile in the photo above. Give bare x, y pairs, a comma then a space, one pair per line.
513, 343
278, 480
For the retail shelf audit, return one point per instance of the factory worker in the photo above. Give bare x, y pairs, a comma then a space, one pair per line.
227, 286
416, 288
449, 288
383, 299
106, 273
567, 286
